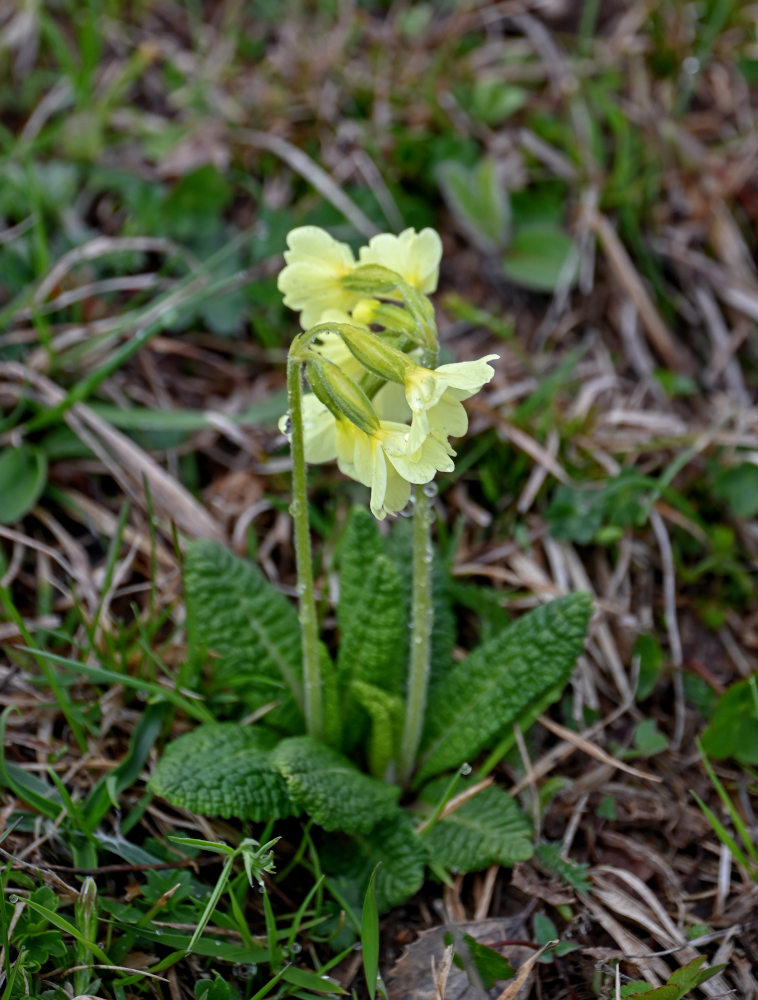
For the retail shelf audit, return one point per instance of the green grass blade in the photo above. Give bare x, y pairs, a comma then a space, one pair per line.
195, 709
210, 906
370, 935
724, 836
739, 825
59, 692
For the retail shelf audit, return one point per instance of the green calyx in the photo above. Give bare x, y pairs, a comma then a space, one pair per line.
340, 393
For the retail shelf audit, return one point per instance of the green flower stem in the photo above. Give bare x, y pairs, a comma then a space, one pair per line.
422, 620
313, 702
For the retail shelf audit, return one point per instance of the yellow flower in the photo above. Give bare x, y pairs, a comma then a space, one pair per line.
382, 461
315, 263
319, 430
310, 281
414, 256
434, 397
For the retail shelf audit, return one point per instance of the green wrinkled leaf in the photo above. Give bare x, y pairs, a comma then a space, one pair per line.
234, 612
392, 842
487, 829
23, 474
542, 257
370, 636
478, 201
360, 546
330, 788
483, 695
223, 769
385, 712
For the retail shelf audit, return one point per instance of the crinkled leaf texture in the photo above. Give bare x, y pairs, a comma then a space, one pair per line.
234, 612
501, 681
330, 788
395, 844
376, 626
487, 829
224, 769
385, 713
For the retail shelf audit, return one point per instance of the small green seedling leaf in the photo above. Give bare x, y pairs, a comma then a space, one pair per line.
23, 474
214, 989
733, 730
573, 873
738, 488
478, 200
542, 257
546, 931
648, 740
680, 983
648, 649
490, 966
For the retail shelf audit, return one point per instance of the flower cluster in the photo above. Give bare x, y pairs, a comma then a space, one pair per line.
377, 407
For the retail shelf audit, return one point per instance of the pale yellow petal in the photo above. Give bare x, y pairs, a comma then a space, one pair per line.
310, 281
415, 256
319, 431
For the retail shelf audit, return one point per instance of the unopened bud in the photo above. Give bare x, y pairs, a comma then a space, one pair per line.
375, 354
373, 280
340, 393
86, 909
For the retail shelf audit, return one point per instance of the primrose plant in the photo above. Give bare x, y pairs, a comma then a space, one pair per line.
370, 741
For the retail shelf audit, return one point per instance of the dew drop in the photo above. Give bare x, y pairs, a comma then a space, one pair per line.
295, 948
430, 490
691, 65
287, 424
466, 770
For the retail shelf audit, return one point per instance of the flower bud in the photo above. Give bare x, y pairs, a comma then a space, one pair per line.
375, 354
86, 909
340, 394
373, 280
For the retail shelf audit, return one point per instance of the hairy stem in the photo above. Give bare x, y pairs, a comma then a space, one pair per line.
313, 703
422, 620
